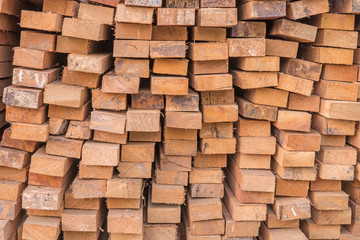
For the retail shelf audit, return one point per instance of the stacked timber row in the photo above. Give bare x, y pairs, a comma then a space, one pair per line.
181, 119
13, 162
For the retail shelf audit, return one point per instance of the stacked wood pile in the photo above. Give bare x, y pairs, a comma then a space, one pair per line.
180, 119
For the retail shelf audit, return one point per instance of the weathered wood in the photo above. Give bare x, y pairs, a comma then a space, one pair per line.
329, 200
23, 97
133, 31
304, 103
200, 209
218, 145
208, 67
207, 190
292, 208
7, 141
336, 38
293, 121
246, 47
98, 172
208, 51
99, 14
333, 21
339, 110
216, 130
143, 120
336, 171
255, 111
36, 227
40, 41
327, 55
256, 10
108, 101
169, 85
211, 82
169, 194
79, 130
66, 44
291, 188
26, 115
42, 198
90, 80
273, 222
267, 96
337, 155
281, 48
34, 78
174, 163
81, 220
102, 136
93, 63
62, 7
146, 100
88, 188
124, 188
39, 59
248, 80
73, 203
175, 17
249, 29
331, 217
132, 67
163, 213
287, 158
332, 126
125, 221
131, 14
294, 173
134, 169
61, 146
30, 132
290, 233
84, 29
297, 140
208, 34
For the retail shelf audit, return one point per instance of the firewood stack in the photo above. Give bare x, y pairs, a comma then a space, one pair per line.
180, 119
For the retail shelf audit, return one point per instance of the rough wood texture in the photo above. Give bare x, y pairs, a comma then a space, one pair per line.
41, 21
77, 28
175, 17
216, 17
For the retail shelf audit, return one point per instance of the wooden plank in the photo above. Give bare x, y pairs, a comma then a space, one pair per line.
34, 197
26, 115
100, 154
245, 80
206, 175
61, 146
339, 110
98, 172
255, 111
9, 38
169, 85
102, 136
333, 140
88, 188
174, 163
201, 209
99, 14
168, 194
211, 82
216, 17
337, 155
294, 173
132, 67
41, 228
251, 145
301, 68
329, 200
108, 101
124, 188
267, 96
34, 78
258, 10
39, 59
325, 185
207, 190
291, 188
304, 103
307, 8
268, 63
107, 121
288, 83
145, 136
93, 63
112, 83
208, 67
112, 3
312, 230
143, 120
167, 49
246, 47
134, 169
127, 49
336, 38
297, 140
175, 17
81, 220
287, 158
352, 6
216, 130
7, 141
62, 7
217, 97
47, 213
327, 55
290, 234
188, 102
90, 203
133, 31
208, 34
163, 213
138, 152
333, 21
249, 29
125, 221
187, 120
293, 121
123, 203
40, 41
23, 97
295, 31
332, 126
79, 130
84, 79
336, 90
281, 48
292, 208
13, 174
169, 33
66, 44
146, 100
336, 172
131, 14
30, 132
251, 161
77, 28
333, 73
208, 51
331, 217
41, 21
272, 221
218, 145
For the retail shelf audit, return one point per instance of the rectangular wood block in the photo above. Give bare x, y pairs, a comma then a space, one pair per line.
133, 31
171, 66
125, 221
34, 78
40, 41
219, 113
333, 127
90, 203
110, 137
301, 68
218, 97
65, 95
313, 230
170, 177
174, 163
138, 152
112, 83
340, 110
325, 185
294, 31
333, 140
249, 29
218, 145
97, 63
267, 96
61, 146
124, 188
291, 188
256, 145
211, 82
295, 84
90, 80
108, 101
168, 194
145, 136
23, 97
81, 220
286, 158
36, 227
258, 10
336, 90
201, 209
98, 172
134, 169
11, 190
107, 121
329, 200
88, 188
132, 14
304, 103
26, 115
30, 132
180, 147
39, 59
163, 213
297, 140
294, 173
258, 64
336, 38
169, 85
216, 130
7, 141
327, 55
333, 21
281, 48
292, 208
50, 22
169, 33
209, 66
42, 198
343, 73
303, 9
256, 111
66, 44
246, 47
337, 155
208, 51
224, 17
101, 154
248, 80
146, 100
252, 161
85, 29
99, 14
208, 34
330, 217
272, 221
336, 172
13, 174
206, 175
175, 16
186, 120
293, 121
188, 102
132, 67
143, 120
209, 160
207, 190
79, 130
